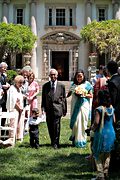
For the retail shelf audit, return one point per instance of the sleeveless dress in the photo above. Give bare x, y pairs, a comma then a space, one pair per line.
104, 137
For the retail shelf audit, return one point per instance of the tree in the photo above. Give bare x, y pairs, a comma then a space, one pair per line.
104, 35
15, 39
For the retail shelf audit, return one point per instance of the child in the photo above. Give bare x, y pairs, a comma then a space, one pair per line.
103, 134
34, 129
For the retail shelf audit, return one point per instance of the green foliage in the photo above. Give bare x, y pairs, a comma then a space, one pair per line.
45, 163
16, 38
11, 75
104, 35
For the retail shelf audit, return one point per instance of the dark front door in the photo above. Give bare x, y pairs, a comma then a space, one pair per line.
60, 61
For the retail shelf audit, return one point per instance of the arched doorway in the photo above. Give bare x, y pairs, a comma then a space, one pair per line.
59, 52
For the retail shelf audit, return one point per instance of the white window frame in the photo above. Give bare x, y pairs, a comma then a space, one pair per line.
19, 6
61, 18
67, 14
105, 7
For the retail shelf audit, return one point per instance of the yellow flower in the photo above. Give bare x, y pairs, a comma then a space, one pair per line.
81, 91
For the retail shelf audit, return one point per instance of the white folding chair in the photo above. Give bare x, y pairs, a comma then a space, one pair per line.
6, 128
27, 108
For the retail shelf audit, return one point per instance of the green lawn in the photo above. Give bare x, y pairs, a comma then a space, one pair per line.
66, 163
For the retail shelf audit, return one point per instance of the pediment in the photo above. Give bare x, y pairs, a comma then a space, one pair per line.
60, 38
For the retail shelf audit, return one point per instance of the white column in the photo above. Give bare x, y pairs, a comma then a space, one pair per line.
70, 64
83, 60
115, 9
33, 9
49, 61
5, 9
1, 10
33, 58
88, 11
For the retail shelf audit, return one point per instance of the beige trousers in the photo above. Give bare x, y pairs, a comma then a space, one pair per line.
102, 164
18, 125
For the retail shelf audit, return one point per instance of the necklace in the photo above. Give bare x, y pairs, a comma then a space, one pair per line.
109, 114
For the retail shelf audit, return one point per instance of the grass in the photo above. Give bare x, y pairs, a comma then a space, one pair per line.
66, 163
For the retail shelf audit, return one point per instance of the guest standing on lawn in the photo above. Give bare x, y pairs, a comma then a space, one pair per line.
114, 87
33, 91
4, 86
81, 91
54, 105
103, 134
15, 104
26, 105
34, 128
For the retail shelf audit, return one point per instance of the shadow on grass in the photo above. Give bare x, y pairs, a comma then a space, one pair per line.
27, 145
71, 166
16, 177
58, 166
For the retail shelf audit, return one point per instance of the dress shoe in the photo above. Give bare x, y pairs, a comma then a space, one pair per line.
55, 146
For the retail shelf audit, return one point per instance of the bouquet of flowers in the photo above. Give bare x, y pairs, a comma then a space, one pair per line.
79, 90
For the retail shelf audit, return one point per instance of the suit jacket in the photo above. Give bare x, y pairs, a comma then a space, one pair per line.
54, 104
3, 82
114, 89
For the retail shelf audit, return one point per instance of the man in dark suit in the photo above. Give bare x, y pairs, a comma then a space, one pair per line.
114, 87
54, 105
4, 86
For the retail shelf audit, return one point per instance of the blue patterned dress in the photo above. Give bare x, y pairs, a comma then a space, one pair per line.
104, 137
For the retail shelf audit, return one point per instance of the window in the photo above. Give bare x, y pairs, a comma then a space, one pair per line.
71, 17
19, 11
50, 17
60, 17
19, 16
102, 13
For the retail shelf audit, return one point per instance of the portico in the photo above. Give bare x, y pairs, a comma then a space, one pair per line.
60, 51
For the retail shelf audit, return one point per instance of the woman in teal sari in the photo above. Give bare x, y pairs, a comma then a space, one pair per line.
81, 91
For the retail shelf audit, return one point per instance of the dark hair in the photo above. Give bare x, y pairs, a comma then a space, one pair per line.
105, 71
104, 98
101, 67
75, 77
112, 67
35, 110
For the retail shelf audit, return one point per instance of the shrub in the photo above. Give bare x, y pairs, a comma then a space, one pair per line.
11, 75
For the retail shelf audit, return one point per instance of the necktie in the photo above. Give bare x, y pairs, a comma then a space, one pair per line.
53, 87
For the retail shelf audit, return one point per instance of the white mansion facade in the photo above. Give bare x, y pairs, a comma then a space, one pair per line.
58, 25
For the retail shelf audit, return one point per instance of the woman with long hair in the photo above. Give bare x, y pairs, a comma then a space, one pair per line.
81, 91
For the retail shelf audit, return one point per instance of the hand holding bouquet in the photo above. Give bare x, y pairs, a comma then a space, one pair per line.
79, 90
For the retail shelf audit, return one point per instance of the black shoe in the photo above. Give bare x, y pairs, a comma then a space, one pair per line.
55, 146
36, 147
